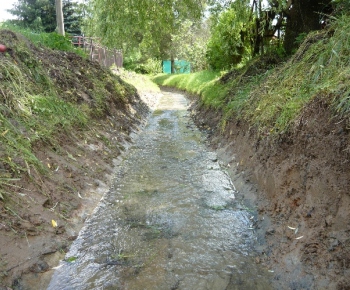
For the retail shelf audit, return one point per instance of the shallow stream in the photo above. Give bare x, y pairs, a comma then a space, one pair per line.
171, 220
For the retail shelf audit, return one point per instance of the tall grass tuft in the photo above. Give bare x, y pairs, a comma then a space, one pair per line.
321, 67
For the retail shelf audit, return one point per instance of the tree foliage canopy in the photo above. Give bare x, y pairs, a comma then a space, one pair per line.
40, 15
163, 29
229, 41
247, 28
121, 22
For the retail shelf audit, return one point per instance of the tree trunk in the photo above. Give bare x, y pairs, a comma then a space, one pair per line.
257, 37
172, 64
59, 17
303, 17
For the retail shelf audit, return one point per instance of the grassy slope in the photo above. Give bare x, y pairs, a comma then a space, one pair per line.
201, 83
272, 99
45, 93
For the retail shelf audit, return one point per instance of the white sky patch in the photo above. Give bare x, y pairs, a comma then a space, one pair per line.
6, 4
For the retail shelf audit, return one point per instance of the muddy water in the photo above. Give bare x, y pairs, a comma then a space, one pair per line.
171, 221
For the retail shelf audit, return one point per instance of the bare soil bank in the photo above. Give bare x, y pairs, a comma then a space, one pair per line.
303, 185
82, 171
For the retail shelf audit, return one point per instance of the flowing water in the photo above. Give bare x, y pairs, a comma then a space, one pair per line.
170, 221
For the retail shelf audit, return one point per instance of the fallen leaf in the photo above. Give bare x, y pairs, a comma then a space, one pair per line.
54, 223
71, 259
71, 156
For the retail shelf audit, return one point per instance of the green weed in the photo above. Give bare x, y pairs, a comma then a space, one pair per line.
27, 118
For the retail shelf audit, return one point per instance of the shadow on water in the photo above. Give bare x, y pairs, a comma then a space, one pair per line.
171, 220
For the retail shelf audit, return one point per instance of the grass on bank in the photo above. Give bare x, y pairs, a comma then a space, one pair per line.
204, 84
35, 109
320, 68
28, 116
51, 40
273, 99
142, 83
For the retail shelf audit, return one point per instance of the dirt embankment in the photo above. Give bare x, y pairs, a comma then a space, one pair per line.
303, 185
79, 163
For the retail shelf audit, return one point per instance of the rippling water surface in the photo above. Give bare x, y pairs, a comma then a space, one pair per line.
169, 222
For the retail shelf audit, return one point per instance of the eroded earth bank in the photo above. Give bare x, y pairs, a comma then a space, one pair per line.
302, 184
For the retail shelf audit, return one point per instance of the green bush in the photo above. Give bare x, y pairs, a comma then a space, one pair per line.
150, 66
227, 46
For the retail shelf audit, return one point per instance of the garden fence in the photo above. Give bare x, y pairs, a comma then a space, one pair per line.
106, 57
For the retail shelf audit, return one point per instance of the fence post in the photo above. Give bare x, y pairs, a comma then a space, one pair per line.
91, 50
121, 58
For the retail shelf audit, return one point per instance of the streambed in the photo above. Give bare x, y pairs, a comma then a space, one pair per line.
171, 220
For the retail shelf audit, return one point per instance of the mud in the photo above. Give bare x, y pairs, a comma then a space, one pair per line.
30, 245
302, 182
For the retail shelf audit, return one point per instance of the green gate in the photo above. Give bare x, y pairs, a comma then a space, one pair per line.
180, 66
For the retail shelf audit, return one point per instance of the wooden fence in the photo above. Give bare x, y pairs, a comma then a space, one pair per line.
106, 57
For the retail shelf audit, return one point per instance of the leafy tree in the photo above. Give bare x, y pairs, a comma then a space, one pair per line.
40, 15
190, 43
229, 42
303, 16
35, 14
238, 29
127, 21
147, 25
73, 13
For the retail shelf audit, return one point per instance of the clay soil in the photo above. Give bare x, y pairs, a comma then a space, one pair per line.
301, 182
